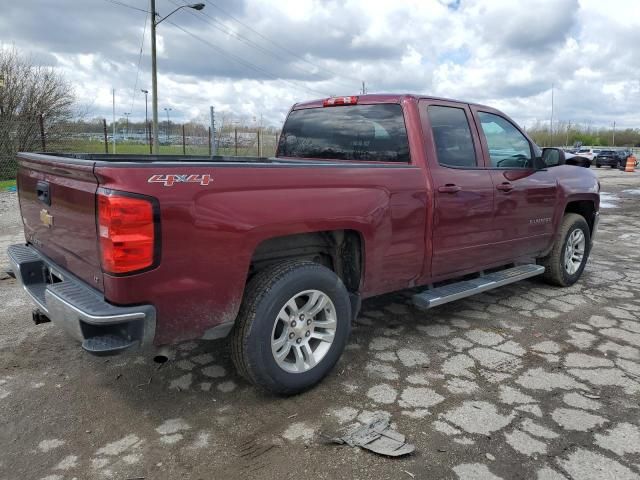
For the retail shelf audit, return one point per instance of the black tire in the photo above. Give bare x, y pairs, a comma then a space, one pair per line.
598, 165
555, 273
265, 295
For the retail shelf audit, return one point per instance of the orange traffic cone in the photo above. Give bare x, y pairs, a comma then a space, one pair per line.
631, 163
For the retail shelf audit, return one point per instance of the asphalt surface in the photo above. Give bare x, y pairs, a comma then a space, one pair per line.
526, 381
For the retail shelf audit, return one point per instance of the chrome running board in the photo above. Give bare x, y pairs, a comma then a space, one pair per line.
455, 291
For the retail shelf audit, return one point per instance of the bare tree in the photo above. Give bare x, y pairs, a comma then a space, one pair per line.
29, 91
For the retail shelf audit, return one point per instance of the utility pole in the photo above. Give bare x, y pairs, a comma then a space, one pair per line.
154, 78
551, 122
126, 130
146, 117
167, 109
113, 123
364, 90
1, 87
212, 112
614, 133
154, 69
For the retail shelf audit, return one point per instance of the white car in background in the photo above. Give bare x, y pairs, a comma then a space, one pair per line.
589, 153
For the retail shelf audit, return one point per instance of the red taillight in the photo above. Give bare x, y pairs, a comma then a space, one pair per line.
127, 233
333, 101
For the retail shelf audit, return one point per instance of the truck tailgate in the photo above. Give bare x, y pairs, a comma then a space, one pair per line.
58, 202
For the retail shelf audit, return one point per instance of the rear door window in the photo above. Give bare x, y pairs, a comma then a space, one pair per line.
508, 148
351, 132
452, 136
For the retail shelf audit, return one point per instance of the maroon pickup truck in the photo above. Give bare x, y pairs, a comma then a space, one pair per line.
366, 195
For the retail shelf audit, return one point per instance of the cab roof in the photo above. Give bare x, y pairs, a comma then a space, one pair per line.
369, 99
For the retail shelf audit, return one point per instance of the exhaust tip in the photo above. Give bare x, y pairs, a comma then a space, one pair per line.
160, 359
163, 355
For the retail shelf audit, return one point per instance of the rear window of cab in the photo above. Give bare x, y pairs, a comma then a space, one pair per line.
350, 132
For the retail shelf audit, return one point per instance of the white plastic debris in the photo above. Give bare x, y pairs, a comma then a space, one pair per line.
377, 436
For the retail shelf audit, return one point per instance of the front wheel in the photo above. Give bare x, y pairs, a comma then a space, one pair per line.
566, 261
292, 326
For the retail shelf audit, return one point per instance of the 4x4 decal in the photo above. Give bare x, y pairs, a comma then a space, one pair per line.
170, 179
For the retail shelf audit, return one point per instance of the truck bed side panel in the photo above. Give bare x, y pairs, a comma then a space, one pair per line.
209, 232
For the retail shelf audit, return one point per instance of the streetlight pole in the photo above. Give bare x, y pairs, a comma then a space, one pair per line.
154, 79
146, 116
126, 130
154, 69
168, 121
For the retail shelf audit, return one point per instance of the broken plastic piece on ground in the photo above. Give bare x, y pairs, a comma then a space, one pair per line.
377, 436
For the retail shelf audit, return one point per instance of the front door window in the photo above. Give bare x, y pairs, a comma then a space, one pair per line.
508, 148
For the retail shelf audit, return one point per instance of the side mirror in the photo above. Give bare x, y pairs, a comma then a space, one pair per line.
553, 157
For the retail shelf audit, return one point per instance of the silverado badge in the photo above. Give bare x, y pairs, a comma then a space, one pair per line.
46, 218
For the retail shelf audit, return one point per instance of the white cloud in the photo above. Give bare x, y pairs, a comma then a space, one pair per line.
498, 52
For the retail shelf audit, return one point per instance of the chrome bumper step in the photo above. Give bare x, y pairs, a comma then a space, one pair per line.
455, 291
107, 344
82, 311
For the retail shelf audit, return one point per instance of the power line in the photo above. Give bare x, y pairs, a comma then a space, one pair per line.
135, 85
222, 52
215, 24
116, 2
281, 47
228, 32
245, 63
244, 40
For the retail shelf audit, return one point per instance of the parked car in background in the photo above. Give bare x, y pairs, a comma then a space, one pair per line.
608, 158
622, 157
577, 160
589, 153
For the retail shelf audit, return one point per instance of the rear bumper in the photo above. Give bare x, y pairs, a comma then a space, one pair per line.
80, 310
609, 162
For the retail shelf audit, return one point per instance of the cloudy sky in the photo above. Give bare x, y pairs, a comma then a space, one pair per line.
254, 58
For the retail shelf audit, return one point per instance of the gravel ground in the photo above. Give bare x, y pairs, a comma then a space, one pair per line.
526, 381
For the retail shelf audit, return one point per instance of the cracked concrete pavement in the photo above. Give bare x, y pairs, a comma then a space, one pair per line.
527, 381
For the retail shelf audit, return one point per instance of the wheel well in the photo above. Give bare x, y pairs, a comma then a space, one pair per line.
586, 208
339, 250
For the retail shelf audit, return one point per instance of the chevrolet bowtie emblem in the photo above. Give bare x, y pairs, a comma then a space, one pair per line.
46, 218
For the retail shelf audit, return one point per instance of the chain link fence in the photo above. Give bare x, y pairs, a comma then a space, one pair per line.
36, 135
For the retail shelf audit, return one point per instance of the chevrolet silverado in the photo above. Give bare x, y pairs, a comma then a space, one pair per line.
365, 195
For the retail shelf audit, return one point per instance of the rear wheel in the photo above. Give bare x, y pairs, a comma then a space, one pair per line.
566, 261
292, 327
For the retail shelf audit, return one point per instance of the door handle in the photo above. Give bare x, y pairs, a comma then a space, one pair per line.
505, 187
449, 188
